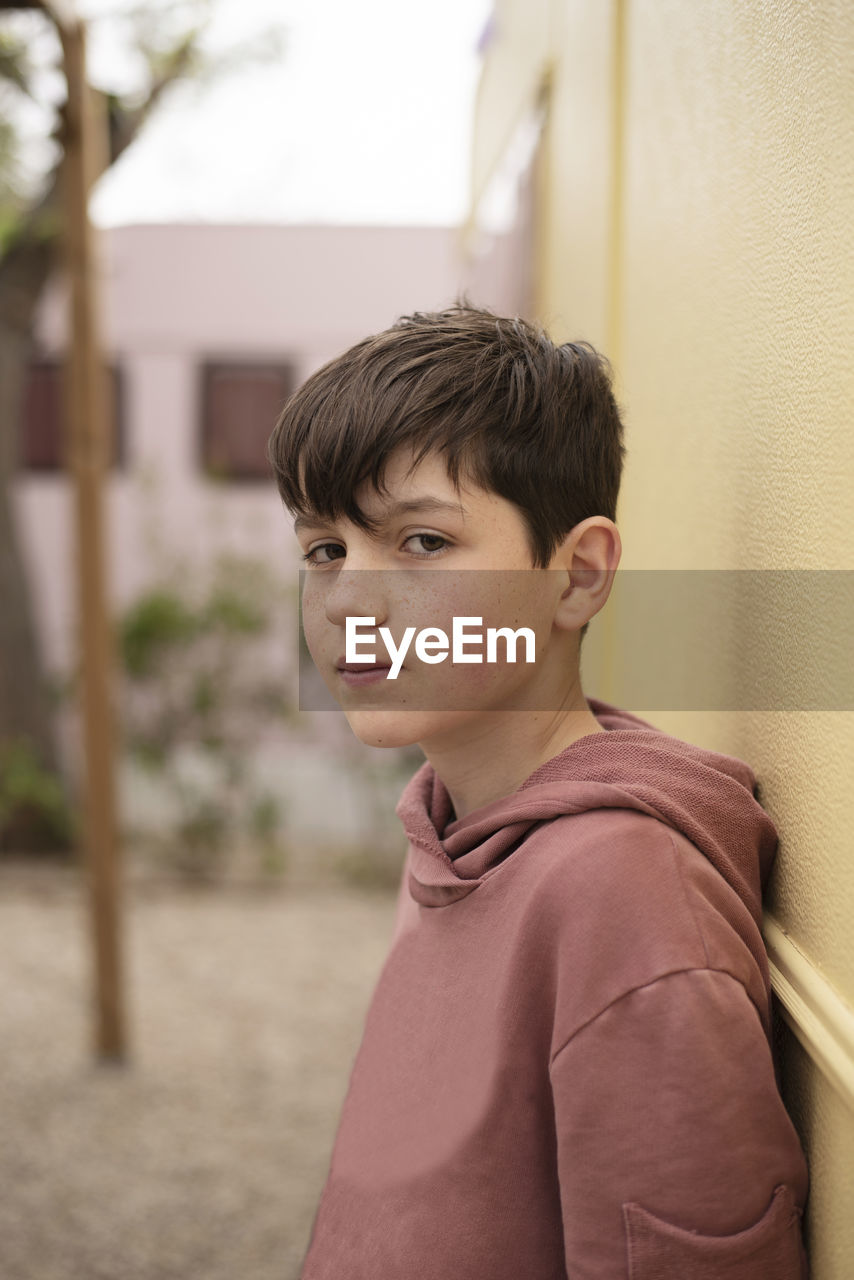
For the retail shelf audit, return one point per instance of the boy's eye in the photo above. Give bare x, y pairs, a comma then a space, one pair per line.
324, 553
430, 543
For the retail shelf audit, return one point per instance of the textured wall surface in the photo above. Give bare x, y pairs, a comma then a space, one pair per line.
696, 215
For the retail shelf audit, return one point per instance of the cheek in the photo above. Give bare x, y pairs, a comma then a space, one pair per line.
313, 621
502, 598
511, 601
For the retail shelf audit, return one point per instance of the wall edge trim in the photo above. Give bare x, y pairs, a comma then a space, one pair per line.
816, 1013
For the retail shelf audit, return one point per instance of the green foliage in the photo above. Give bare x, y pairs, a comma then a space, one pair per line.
158, 623
15, 68
235, 613
264, 821
197, 695
11, 200
10, 222
204, 697
264, 816
34, 812
200, 836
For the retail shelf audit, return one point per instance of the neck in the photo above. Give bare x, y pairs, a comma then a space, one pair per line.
491, 758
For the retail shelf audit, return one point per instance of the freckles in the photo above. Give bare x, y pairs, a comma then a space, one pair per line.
313, 631
311, 607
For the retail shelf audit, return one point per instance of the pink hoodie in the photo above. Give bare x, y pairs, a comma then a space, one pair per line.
566, 1066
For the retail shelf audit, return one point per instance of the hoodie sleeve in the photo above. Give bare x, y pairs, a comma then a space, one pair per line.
675, 1154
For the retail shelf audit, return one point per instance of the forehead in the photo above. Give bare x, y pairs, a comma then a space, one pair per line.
408, 487
404, 479
424, 492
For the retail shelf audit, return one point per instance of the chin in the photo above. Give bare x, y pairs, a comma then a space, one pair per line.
394, 728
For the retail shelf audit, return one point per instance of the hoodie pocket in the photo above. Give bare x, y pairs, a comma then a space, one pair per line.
769, 1250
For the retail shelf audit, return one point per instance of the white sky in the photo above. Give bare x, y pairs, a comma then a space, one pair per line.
364, 117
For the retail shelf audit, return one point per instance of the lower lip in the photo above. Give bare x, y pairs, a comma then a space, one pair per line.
355, 679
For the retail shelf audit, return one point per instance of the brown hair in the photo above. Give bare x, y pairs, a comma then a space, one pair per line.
508, 409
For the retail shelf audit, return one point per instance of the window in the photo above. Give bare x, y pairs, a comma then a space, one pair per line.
43, 431
240, 405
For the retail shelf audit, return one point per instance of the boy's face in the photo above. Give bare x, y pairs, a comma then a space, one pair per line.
439, 553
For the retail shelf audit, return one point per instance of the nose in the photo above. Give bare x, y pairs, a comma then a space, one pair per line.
359, 593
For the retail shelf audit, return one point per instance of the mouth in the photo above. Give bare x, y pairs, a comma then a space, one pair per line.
359, 673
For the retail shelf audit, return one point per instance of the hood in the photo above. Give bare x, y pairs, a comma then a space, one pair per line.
706, 796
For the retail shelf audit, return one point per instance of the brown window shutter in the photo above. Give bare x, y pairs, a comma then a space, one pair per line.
43, 438
240, 405
42, 443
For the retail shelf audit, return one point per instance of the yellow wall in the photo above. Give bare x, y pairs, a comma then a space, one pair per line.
696, 221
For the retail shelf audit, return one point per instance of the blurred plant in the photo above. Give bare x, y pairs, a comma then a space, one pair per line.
381, 778
197, 699
264, 820
34, 812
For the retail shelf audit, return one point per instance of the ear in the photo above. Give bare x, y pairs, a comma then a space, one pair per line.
590, 553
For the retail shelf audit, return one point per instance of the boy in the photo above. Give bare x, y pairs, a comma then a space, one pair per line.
566, 1067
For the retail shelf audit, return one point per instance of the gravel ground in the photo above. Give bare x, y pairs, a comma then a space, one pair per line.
204, 1157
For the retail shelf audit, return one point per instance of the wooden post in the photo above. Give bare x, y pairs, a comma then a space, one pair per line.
89, 443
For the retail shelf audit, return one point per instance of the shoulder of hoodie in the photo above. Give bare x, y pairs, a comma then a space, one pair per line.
626, 888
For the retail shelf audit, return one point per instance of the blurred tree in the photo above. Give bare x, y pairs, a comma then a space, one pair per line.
167, 40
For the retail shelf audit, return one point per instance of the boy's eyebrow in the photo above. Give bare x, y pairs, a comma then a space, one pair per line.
408, 507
